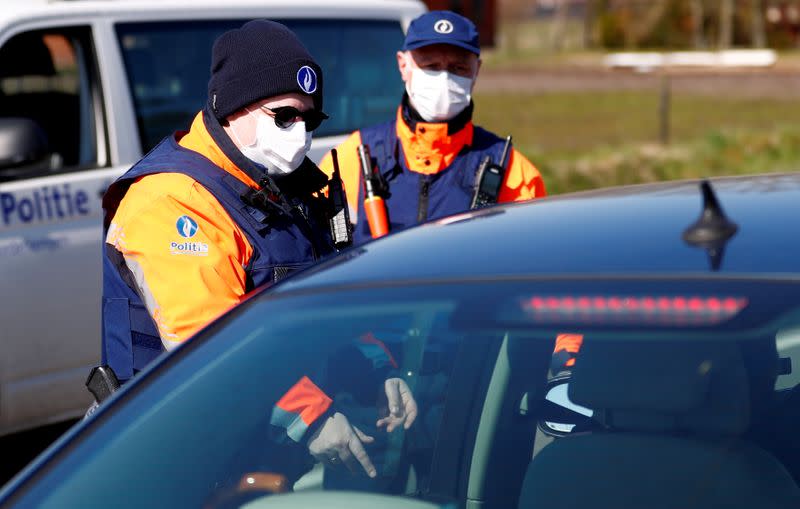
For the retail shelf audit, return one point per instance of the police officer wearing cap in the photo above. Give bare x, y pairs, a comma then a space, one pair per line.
430, 153
212, 213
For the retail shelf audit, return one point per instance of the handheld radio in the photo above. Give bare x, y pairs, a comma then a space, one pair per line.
489, 178
341, 228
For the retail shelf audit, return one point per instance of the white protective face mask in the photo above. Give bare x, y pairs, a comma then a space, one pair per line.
438, 95
280, 151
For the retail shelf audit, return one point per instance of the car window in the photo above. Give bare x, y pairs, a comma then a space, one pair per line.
669, 375
168, 68
50, 104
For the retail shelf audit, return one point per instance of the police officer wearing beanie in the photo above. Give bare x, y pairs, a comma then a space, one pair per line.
429, 154
212, 213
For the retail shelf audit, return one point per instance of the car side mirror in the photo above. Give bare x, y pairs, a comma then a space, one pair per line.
560, 416
23, 148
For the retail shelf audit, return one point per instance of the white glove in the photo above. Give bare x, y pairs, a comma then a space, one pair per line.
402, 406
337, 441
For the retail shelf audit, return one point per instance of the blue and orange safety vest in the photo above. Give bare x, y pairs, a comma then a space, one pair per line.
186, 239
430, 168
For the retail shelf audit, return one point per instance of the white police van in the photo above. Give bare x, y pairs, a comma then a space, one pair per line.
88, 87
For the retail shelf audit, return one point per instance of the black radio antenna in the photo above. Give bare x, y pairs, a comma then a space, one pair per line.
713, 229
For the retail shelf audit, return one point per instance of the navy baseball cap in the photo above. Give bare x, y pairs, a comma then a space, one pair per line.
442, 27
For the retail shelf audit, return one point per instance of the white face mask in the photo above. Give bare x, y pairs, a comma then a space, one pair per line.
438, 95
280, 151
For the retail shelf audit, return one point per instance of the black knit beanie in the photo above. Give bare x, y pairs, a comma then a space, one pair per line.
259, 60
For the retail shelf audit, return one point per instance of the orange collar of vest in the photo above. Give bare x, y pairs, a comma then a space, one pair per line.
199, 140
429, 148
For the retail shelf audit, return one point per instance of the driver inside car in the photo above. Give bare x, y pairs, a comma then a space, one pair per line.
344, 422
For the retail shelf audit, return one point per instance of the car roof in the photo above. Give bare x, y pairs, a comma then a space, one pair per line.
628, 231
18, 11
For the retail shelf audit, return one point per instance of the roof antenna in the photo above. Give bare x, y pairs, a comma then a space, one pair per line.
712, 229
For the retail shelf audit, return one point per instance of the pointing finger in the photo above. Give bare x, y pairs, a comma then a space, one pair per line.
361, 455
347, 458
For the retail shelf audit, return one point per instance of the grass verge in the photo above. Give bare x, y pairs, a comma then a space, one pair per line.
583, 140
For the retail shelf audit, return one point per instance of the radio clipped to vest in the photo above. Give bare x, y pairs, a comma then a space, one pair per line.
341, 227
374, 190
489, 179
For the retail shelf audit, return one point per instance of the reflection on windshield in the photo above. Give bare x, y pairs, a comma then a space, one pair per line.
559, 396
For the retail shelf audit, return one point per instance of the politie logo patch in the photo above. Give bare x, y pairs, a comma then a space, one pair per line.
187, 227
307, 79
443, 26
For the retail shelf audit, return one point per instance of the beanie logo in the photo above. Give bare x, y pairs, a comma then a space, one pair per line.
307, 79
443, 26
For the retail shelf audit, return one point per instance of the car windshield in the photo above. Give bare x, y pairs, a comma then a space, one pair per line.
523, 389
168, 64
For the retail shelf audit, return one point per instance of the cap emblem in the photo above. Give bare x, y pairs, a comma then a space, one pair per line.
307, 79
443, 26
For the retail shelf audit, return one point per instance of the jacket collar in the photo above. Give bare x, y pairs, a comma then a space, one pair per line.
224, 143
199, 139
411, 117
431, 147
208, 138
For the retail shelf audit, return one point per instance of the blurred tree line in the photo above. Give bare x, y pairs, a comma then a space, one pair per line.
679, 24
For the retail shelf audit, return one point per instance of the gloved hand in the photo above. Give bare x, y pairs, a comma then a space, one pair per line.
402, 406
337, 441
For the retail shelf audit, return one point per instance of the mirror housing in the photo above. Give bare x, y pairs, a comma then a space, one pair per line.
23, 148
560, 416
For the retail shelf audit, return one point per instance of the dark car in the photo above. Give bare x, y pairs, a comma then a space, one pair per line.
680, 388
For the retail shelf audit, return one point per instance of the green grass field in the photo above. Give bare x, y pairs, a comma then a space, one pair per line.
582, 140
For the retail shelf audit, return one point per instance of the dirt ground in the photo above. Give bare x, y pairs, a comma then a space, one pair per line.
770, 83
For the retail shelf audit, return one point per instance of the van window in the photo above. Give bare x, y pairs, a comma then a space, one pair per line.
49, 103
168, 69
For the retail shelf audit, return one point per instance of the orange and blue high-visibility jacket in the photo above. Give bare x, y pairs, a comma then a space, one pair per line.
430, 168
566, 351
186, 238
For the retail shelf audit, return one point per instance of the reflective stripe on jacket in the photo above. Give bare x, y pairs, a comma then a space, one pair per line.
299, 408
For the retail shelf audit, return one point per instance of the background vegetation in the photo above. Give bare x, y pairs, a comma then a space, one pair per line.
582, 140
586, 126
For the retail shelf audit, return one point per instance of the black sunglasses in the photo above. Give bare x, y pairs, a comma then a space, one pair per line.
285, 116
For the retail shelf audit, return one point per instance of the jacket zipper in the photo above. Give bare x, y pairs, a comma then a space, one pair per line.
424, 191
